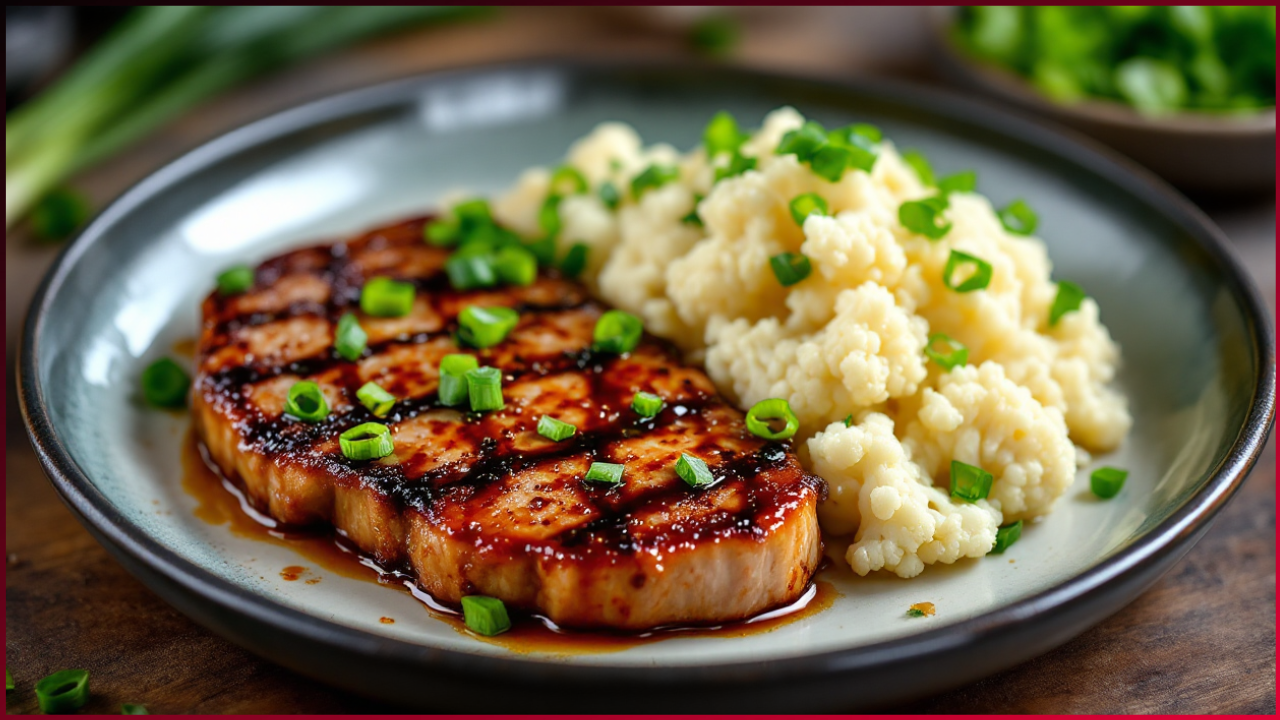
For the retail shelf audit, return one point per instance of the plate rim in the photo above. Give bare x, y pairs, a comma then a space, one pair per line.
1170, 536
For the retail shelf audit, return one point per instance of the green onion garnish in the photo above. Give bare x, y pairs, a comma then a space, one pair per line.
802, 206
653, 176
165, 384
738, 164
803, 142
767, 414
235, 280
609, 195
485, 615
482, 327
968, 482
378, 401
8, 680
646, 404
790, 268
830, 162
916, 612
555, 430
1007, 535
367, 441
1107, 481
442, 233
543, 250
306, 402
59, 214
453, 378
63, 692
549, 216
980, 278
472, 215
693, 218
567, 180
694, 471
1018, 218
604, 473
468, 271
951, 355
384, 297
848, 420
484, 388
515, 265
918, 162
1068, 299
860, 141
349, 339
722, 135
133, 709
575, 260
924, 217
617, 332
964, 181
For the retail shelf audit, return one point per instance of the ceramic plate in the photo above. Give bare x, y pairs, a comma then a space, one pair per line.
1198, 371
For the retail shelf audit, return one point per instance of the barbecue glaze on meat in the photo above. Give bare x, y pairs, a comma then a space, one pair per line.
480, 503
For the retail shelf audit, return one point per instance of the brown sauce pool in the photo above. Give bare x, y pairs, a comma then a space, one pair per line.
222, 503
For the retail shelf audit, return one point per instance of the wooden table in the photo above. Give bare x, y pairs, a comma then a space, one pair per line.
1201, 640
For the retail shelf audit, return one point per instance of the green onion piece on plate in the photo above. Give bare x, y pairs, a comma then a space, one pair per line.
305, 401
1068, 299
968, 482
235, 280
945, 351
165, 384
609, 195
349, 339
646, 404
1007, 535
575, 260
965, 181
483, 327
654, 176
8, 680
384, 297
978, 280
738, 164
442, 233
453, 378
568, 180
377, 400
803, 142
1018, 218
472, 215
604, 473
693, 218
549, 216
555, 430
802, 206
848, 420
694, 471
485, 615
722, 135
830, 162
924, 217
1106, 482
790, 268
516, 265
484, 389
543, 250
470, 271
764, 418
918, 162
63, 692
617, 332
133, 709
367, 441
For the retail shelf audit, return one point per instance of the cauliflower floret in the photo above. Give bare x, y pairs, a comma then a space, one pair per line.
980, 417
903, 522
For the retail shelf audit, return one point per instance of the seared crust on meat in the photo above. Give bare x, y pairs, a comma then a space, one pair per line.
480, 503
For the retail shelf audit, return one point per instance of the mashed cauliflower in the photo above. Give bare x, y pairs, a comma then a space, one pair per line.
845, 346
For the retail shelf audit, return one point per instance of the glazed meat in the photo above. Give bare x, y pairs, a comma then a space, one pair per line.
474, 503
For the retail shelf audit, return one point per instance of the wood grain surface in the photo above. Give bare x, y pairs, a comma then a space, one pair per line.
1201, 640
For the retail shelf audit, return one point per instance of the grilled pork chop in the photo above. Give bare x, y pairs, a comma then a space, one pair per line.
480, 503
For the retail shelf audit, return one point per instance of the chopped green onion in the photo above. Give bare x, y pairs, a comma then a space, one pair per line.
378, 401
555, 430
860, 140
472, 215
575, 260
830, 162
367, 441
915, 612
694, 471
515, 265
803, 142
8, 680
1068, 299
487, 238
305, 401
924, 217
964, 181
604, 473
453, 378
722, 135
165, 384
654, 176
384, 297
617, 332
766, 414
235, 280
567, 180
543, 250
802, 206
442, 233
1018, 218
468, 272
790, 268
738, 164
848, 420
549, 216
133, 709
1007, 535
646, 404
349, 339
59, 214
63, 692
483, 327
484, 388
1106, 482
968, 482
980, 278
951, 356
609, 195
918, 162
693, 218
485, 615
